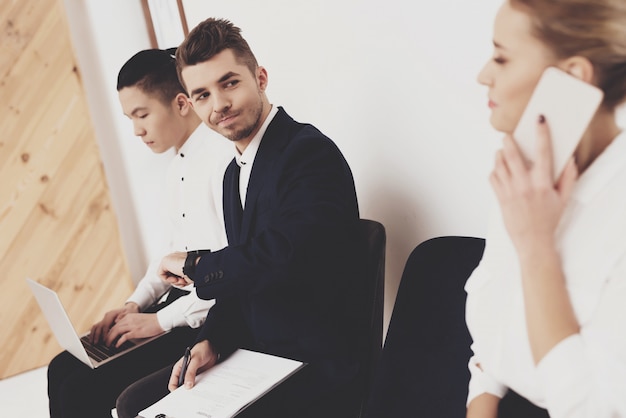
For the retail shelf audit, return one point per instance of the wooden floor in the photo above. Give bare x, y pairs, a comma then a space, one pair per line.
57, 225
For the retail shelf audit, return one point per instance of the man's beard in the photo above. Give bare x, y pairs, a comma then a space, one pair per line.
246, 131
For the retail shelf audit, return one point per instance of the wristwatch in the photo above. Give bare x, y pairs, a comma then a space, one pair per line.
189, 269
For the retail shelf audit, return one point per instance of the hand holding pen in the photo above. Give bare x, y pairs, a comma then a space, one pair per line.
183, 370
195, 361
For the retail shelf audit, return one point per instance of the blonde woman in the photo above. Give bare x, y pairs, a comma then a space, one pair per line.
546, 306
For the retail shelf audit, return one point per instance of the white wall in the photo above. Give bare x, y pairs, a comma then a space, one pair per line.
393, 83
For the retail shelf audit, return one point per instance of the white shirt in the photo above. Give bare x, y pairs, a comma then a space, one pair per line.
585, 374
246, 160
193, 198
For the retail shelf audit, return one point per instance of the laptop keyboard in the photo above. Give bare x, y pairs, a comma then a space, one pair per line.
101, 351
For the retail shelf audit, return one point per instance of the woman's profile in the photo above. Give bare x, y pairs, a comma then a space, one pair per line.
546, 306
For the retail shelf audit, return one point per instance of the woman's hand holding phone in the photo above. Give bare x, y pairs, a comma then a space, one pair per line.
530, 202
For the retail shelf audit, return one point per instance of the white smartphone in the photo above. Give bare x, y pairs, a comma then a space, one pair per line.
568, 105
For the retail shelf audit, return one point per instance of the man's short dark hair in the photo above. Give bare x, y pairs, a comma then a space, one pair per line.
154, 72
209, 38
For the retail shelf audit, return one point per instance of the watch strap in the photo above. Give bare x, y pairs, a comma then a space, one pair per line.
189, 268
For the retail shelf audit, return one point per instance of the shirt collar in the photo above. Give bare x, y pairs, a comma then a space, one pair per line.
192, 143
250, 152
601, 171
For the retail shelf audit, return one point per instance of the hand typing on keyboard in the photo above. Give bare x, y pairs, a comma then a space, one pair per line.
123, 324
133, 325
100, 329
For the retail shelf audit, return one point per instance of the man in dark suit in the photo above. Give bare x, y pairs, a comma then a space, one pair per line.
291, 218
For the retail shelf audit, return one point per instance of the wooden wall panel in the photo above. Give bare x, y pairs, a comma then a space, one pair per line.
57, 225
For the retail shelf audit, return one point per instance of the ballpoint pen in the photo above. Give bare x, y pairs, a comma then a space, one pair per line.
183, 370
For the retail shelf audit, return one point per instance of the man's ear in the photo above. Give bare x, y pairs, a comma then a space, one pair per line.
261, 76
182, 103
579, 67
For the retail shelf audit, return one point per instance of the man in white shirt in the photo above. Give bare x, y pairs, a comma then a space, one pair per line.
152, 97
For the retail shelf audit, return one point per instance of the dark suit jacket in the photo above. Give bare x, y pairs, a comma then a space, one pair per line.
282, 282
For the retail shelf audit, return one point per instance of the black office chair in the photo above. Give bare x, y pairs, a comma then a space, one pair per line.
364, 309
423, 367
368, 308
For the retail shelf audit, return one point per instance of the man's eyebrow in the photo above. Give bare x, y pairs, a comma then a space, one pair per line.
227, 76
137, 110
221, 80
497, 45
197, 91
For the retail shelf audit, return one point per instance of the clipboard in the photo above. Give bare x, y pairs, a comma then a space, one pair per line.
227, 388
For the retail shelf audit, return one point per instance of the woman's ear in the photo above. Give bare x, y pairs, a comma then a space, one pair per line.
579, 67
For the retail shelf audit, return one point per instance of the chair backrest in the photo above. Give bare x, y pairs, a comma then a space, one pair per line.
423, 367
368, 309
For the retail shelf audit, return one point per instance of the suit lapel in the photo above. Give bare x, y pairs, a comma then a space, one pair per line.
272, 142
233, 213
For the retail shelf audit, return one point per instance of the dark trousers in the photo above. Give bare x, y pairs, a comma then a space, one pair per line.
513, 405
75, 390
423, 370
304, 395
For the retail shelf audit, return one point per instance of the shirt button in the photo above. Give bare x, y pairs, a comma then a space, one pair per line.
182, 179
182, 155
183, 215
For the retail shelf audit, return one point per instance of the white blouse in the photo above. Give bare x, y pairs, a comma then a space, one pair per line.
585, 374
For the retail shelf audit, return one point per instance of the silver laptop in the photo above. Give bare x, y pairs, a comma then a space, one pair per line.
93, 355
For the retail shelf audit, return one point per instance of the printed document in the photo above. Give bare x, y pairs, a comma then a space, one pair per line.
227, 388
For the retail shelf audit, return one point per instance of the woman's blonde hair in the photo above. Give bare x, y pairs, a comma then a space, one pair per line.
594, 29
